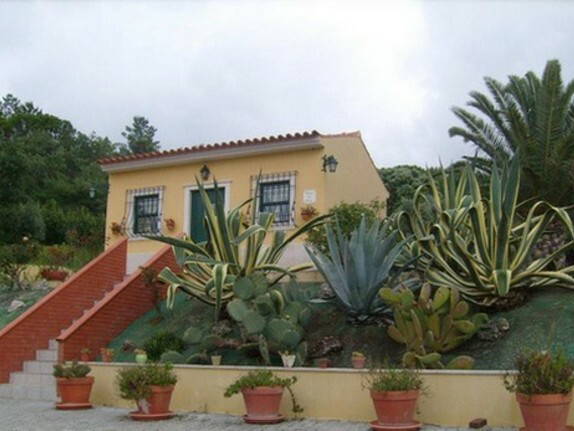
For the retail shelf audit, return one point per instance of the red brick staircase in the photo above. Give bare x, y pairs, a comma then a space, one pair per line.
88, 310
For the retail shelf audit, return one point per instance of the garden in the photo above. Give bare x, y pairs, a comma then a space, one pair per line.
473, 270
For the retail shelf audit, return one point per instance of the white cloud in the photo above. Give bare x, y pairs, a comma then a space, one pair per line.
210, 71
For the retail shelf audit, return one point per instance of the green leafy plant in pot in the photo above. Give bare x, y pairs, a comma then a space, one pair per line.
262, 392
74, 385
394, 393
150, 386
543, 386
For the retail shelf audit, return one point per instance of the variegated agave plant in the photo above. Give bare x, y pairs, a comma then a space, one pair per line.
235, 247
482, 246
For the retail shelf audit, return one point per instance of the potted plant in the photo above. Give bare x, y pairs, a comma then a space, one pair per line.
358, 360
85, 354
150, 386
215, 359
308, 212
57, 257
117, 228
395, 393
543, 386
141, 356
107, 354
323, 362
288, 358
74, 386
262, 392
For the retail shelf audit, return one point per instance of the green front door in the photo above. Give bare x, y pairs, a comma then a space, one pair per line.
197, 222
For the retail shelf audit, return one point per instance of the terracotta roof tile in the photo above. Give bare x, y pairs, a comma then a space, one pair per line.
210, 147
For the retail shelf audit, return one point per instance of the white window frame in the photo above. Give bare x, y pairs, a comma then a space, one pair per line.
272, 178
129, 222
187, 189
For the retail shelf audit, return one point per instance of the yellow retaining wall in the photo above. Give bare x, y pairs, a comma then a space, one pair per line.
455, 397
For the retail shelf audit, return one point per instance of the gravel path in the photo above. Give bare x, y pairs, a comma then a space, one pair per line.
41, 416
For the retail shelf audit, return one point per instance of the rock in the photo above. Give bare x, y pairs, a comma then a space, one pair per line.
14, 305
477, 423
494, 330
325, 346
325, 292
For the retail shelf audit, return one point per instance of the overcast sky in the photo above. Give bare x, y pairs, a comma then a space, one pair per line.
209, 71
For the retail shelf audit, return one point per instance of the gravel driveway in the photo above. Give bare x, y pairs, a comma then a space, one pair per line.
41, 416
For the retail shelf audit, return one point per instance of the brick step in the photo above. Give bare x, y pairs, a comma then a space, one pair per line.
28, 392
39, 367
31, 379
46, 355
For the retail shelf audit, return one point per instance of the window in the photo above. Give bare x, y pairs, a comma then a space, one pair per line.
146, 214
275, 197
276, 194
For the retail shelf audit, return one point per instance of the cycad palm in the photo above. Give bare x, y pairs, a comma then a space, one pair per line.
531, 116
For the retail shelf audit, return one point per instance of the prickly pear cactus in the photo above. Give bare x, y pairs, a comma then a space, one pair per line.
431, 325
274, 318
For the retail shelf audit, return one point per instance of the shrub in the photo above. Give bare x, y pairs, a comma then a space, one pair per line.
431, 325
71, 370
237, 246
23, 220
541, 373
356, 266
393, 379
13, 261
266, 378
163, 342
134, 382
348, 217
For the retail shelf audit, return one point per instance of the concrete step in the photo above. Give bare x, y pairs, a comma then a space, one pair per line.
53, 345
39, 367
35, 393
46, 355
29, 379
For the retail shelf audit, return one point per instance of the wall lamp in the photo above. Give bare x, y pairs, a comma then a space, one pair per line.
329, 163
205, 173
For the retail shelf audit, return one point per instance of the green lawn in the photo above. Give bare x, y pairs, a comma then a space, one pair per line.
29, 297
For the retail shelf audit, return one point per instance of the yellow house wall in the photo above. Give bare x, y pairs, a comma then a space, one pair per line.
454, 398
356, 179
237, 171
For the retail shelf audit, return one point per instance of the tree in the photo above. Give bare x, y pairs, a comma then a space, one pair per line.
140, 137
533, 117
402, 182
48, 168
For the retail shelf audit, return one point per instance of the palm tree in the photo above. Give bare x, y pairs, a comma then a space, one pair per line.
533, 117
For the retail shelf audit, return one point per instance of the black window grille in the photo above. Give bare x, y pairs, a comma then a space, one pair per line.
146, 214
275, 198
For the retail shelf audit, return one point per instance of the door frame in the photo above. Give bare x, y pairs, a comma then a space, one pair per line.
187, 189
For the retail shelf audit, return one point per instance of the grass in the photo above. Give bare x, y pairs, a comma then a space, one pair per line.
29, 297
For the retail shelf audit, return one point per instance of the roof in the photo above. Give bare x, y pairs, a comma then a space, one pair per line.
214, 147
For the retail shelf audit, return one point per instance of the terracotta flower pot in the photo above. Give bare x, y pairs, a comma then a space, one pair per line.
107, 354
288, 360
84, 356
359, 362
156, 407
324, 362
74, 393
544, 412
262, 404
395, 410
54, 274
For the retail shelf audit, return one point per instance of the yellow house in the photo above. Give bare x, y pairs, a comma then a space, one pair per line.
156, 192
